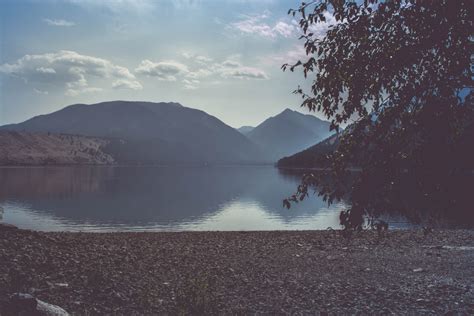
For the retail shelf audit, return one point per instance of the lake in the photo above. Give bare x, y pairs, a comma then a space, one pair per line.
92, 198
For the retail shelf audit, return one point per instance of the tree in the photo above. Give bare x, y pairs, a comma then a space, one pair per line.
401, 70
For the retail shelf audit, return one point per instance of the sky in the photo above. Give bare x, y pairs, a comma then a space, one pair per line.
222, 57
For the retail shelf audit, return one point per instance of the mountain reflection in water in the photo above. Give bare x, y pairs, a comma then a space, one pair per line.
158, 198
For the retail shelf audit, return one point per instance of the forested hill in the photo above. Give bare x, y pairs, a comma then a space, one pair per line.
313, 157
22, 148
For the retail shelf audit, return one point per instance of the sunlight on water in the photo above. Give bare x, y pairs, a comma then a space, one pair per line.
249, 215
157, 199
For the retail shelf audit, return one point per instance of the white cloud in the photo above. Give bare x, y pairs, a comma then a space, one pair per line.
190, 81
197, 58
256, 25
284, 29
198, 69
45, 70
320, 29
190, 84
244, 73
187, 55
200, 73
126, 84
231, 64
166, 70
203, 59
76, 92
290, 56
54, 22
69, 69
233, 68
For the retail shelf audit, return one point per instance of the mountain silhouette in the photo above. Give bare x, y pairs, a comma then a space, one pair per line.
147, 132
288, 133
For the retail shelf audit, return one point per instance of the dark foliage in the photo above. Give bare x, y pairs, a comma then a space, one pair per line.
401, 69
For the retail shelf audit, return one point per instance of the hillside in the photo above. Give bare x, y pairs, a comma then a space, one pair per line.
313, 157
150, 132
288, 132
22, 148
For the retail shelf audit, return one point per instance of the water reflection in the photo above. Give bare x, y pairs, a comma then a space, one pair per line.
157, 198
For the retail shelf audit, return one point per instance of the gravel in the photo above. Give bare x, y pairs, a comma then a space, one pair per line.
295, 272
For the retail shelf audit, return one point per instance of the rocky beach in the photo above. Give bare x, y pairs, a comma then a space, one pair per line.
294, 272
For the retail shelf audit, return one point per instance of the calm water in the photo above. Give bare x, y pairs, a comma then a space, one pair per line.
157, 199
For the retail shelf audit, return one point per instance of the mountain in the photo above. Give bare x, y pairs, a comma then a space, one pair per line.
146, 132
245, 129
288, 132
312, 157
21, 148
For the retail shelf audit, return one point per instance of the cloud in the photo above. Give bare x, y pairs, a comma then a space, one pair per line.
45, 70
198, 69
69, 69
256, 25
54, 22
259, 26
203, 59
320, 29
284, 29
76, 92
200, 73
231, 64
229, 68
232, 68
290, 56
244, 73
197, 58
190, 84
166, 70
126, 84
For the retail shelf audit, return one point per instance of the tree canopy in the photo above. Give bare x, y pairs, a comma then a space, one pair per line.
402, 71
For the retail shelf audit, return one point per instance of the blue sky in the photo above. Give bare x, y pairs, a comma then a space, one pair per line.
222, 57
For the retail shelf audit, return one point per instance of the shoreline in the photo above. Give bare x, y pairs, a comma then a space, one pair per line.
270, 272
138, 165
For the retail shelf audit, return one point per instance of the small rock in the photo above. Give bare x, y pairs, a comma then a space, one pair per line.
7, 227
61, 284
47, 309
26, 304
418, 270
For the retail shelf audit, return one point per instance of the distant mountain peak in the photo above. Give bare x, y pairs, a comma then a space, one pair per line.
245, 129
288, 111
288, 132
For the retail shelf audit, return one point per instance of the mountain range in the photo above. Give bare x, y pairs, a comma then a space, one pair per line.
169, 133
